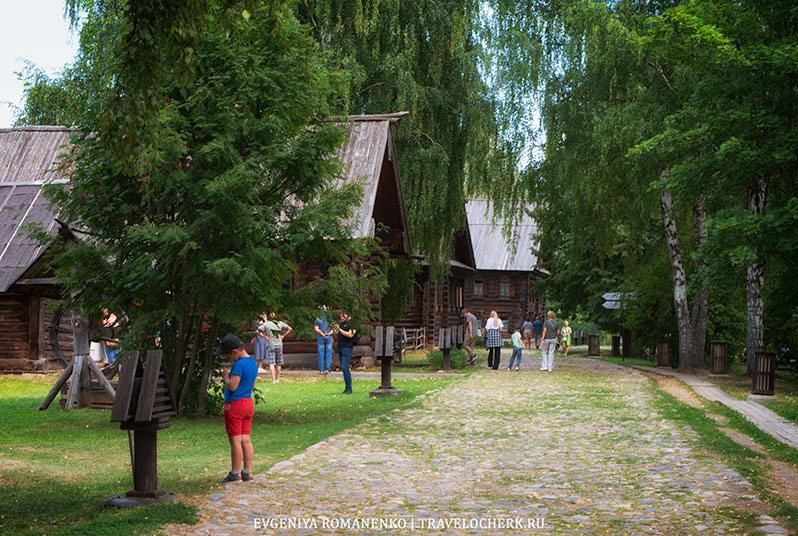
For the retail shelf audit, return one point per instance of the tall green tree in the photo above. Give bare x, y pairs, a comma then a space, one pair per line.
202, 176
425, 57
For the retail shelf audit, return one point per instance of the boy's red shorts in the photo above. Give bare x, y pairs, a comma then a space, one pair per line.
238, 416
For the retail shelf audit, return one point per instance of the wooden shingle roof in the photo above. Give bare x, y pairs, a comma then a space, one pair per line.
492, 249
369, 156
27, 162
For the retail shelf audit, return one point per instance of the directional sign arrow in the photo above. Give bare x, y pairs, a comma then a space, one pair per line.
612, 296
611, 305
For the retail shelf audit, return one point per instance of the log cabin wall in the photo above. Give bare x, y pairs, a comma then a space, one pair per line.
14, 331
511, 294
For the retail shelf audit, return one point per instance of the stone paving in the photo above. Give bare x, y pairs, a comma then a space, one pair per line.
581, 450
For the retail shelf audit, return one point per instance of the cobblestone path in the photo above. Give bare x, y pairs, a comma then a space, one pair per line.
582, 449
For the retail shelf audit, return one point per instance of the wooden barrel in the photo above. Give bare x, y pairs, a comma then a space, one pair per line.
720, 361
593, 345
764, 378
663, 354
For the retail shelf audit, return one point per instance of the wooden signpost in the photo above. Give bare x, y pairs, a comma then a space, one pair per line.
144, 404
383, 349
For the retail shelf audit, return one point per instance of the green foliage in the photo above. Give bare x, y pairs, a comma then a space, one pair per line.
401, 282
426, 58
203, 175
458, 358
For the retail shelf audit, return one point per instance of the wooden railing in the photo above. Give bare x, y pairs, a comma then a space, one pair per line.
414, 339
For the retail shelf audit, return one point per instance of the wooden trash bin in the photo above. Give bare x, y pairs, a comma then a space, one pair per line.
764, 378
593, 348
144, 404
616, 346
663, 354
720, 360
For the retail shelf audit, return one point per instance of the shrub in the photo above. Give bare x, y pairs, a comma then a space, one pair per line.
457, 357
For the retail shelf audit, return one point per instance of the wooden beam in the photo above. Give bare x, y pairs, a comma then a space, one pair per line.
57, 387
74, 385
36, 281
104, 382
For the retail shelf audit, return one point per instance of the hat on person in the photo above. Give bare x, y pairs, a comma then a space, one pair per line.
518, 328
229, 343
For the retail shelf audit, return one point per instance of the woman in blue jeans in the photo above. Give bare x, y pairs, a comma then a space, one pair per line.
324, 342
346, 337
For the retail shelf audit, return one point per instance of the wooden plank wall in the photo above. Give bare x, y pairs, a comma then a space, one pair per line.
14, 331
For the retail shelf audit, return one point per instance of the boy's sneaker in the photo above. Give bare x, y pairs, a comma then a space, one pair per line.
246, 477
231, 477
347, 391
517, 368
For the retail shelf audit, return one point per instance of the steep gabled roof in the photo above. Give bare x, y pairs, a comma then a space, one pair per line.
493, 250
28, 158
369, 156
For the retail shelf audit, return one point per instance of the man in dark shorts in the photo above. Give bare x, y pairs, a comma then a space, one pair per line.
238, 406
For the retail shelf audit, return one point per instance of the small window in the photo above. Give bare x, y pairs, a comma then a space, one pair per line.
477, 287
504, 287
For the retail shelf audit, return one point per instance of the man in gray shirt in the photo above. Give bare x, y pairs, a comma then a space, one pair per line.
275, 330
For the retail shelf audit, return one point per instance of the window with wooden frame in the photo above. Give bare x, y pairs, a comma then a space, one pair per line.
478, 287
504, 287
458, 295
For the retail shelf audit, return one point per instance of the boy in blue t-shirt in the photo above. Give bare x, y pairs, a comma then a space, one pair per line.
238, 406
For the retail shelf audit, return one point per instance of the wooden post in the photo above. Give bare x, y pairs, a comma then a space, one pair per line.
627, 343
57, 387
383, 349
616, 346
663, 354
446, 348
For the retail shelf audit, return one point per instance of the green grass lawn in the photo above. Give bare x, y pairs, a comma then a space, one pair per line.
786, 390
57, 467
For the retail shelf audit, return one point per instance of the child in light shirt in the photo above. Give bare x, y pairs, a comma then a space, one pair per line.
518, 347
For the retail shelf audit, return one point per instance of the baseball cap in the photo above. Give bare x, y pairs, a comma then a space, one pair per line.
229, 343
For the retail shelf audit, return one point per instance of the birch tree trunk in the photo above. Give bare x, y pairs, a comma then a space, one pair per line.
755, 278
692, 327
701, 297
677, 269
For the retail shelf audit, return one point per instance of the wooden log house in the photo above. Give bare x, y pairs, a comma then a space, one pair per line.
506, 268
28, 297
369, 156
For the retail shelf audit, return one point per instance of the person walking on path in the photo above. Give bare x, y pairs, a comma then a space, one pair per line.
526, 330
518, 348
324, 341
470, 335
566, 334
346, 336
276, 330
238, 406
537, 330
261, 342
550, 332
493, 340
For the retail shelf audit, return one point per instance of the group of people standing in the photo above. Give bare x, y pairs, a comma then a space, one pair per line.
239, 380
547, 337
